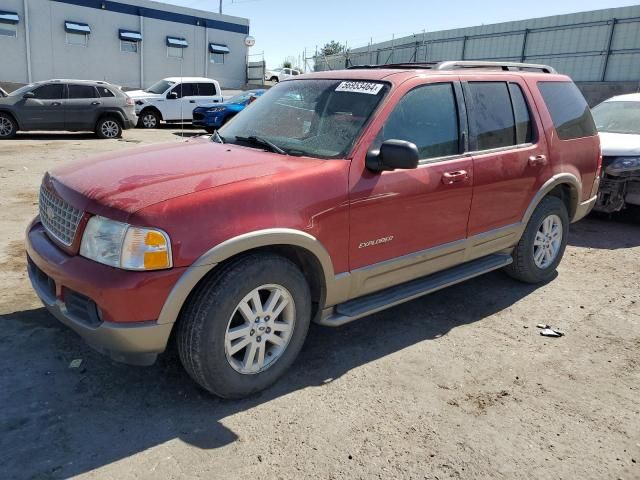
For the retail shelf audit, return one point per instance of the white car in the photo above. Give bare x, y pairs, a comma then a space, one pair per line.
618, 123
279, 74
173, 99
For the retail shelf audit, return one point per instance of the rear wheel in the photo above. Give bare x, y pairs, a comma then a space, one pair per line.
245, 325
210, 130
542, 245
8, 126
149, 119
108, 127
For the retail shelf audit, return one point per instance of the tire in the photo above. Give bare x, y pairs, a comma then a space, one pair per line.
108, 128
214, 307
149, 119
274, 79
529, 265
209, 130
8, 126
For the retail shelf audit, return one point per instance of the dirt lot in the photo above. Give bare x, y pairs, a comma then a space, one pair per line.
458, 384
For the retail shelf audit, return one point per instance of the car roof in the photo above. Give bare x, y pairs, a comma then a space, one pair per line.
75, 80
189, 79
629, 97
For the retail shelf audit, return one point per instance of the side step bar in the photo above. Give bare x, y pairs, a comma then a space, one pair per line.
375, 302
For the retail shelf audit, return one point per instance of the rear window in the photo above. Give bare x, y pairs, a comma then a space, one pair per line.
569, 110
82, 91
207, 89
105, 92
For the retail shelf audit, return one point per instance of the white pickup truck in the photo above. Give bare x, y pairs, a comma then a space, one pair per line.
173, 99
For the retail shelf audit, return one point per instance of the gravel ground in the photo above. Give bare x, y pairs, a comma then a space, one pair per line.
458, 384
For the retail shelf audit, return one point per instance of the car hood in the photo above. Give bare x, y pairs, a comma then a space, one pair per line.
143, 94
129, 181
223, 104
619, 144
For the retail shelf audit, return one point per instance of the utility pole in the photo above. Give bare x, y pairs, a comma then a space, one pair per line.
220, 7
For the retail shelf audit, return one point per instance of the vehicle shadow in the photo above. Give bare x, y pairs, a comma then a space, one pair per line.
620, 231
55, 136
190, 134
58, 422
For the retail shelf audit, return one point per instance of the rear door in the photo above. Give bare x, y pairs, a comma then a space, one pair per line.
509, 151
82, 107
44, 111
206, 93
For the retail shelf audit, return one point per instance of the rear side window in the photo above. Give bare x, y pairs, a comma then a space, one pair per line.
105, 92
524, 130
207, 89
428, 117
49, 92
186, 90
491, 118
82, 91
569, 110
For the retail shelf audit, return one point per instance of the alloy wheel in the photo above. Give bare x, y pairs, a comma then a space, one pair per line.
6, 127
149, 120
110, 129
546, 245
259, 329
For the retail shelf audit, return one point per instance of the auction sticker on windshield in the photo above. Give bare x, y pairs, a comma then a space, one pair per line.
360, 87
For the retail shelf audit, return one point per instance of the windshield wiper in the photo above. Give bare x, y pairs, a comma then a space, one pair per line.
262, 142
218, 138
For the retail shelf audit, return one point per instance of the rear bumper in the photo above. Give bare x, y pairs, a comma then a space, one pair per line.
584, 208
114, 311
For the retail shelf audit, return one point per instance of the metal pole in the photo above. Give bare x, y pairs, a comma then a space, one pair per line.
220, 7
26, 39
523, 55
608, 50
141, 47
424, 45
464, 46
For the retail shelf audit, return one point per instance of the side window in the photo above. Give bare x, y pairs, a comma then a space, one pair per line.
295, 72
287, 71
185, 90
82, 91
569, 110
428, 117
207, 89
491, 117
524, 130
105, 92
49, 92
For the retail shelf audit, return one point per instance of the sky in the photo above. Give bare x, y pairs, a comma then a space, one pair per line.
284, 28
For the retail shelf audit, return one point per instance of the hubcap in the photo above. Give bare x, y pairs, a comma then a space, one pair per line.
149, 120
110, 129
259, 329
6, 127
547, 242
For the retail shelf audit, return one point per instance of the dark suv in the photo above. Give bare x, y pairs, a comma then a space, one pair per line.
73, 105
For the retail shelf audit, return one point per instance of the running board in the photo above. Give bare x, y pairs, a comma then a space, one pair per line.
375, 302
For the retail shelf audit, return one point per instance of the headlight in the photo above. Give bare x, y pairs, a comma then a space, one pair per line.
216, 109
124, 246
623, 164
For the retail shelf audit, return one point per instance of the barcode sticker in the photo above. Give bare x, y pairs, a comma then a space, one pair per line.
360, 87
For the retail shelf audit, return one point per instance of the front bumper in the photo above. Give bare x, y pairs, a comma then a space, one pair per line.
94, 299
208, 119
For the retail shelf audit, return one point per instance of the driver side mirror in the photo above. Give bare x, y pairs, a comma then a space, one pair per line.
29, 95
393, 154
172, 96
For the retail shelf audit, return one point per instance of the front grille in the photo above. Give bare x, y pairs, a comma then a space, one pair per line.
58, 217
198, 116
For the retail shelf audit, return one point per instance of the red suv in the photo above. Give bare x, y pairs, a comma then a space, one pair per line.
335, 195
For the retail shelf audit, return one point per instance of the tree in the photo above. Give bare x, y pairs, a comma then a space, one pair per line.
286, 64
332, 48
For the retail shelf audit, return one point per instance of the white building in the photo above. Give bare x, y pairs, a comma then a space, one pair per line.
132, 43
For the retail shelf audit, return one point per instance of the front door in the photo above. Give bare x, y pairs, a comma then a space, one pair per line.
82, 107
409, 223
45, 110
180, 108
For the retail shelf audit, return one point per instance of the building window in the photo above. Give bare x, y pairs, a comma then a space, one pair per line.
77, 33
8, 30
8, 24
128, 46
175, 52
81, 39
216, 57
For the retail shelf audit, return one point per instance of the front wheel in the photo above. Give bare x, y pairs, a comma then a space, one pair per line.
245, 325
539, 251
148, 119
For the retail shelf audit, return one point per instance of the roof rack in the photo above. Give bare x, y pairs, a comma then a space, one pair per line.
462, 64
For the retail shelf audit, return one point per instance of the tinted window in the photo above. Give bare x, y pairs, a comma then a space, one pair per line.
207, 89
185, 90
82, 91
49, 92
428, 117
524, 130
491, 117
105, 92
568, 109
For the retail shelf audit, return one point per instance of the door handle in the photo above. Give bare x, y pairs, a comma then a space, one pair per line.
95, 103
537, 160
192, 101
55, 104
453, 177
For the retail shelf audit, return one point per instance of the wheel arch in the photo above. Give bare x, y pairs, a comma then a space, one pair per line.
111, 114
564, 186
301, 248
12, 115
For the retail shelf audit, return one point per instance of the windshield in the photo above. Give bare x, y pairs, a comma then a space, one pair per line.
242, 97
317, 118
22, 90
160, 87
618, 117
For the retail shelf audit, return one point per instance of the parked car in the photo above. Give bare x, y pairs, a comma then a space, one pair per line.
173, 99
334, 196
3, 93
618, 122
212, 116
279, 74
72, 105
